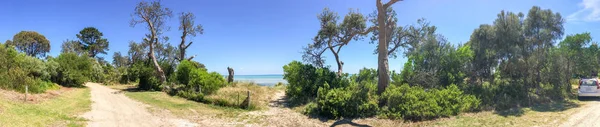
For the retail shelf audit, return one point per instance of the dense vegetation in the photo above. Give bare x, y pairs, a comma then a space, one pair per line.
517, 61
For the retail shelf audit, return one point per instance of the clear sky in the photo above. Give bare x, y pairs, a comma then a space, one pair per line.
260, 36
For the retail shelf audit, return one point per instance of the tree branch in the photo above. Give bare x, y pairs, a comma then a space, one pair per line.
388, 4
191, 57
188, 45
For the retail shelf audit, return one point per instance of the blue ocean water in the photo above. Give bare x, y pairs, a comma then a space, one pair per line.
264, 80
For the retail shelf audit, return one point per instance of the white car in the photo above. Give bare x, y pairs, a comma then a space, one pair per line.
589, 88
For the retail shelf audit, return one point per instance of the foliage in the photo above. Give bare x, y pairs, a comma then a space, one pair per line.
91, 40
304, 80
183, 71
73, 69
334, 36
204, 82
357, 100
72, 46
416, 103
31, 43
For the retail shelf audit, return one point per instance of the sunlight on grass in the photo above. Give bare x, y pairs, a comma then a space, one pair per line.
60, 111
547, 114
180, 106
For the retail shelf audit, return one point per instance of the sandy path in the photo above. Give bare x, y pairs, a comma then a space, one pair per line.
111, 109
587, 116
279, 115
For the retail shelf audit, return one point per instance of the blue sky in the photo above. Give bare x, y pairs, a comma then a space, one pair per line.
260, 36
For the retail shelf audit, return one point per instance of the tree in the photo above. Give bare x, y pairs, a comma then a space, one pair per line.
71, 46
333, 36
119, 60
32, 43
385, 25
92, 42
154, 16
136, 52
573, 47
188, 28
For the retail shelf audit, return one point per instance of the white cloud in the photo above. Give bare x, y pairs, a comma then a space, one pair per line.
589, 13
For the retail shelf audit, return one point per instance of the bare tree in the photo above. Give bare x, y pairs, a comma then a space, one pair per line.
186, 20
154, 16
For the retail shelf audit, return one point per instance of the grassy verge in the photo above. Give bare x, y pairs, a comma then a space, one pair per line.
60, 111
552, 114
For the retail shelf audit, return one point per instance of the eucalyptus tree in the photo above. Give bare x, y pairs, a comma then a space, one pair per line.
333, 36
385, 25
154, 16
188, 28
31, 43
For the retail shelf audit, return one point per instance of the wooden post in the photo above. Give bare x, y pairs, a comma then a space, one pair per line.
26, 92
248, 105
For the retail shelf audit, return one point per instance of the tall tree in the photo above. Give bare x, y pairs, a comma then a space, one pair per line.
333, 36
385, 25
71, 46
92, 42
154, 15
188, 28
32, 43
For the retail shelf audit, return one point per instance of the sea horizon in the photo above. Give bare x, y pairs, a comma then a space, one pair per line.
260, 79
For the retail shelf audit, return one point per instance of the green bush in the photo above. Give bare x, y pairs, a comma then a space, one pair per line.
357, 100
73, 70
183, 71
416, 103
207, 83
365, 75
304, 80
147, 79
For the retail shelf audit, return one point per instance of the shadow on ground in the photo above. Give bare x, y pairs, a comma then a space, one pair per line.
348, 122
556, 106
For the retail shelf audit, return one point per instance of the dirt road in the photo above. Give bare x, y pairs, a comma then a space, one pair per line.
112, 109
588, 116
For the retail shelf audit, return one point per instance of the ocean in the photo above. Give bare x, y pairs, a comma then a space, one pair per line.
263, 80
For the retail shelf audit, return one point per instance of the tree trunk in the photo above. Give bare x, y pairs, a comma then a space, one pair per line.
159, 70
382, 58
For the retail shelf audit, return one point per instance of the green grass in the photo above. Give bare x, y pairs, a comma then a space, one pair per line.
551, 114
60, 111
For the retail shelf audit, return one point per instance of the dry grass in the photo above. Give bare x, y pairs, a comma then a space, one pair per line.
235, 94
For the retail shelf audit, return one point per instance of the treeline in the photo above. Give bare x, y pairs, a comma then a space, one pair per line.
25, 64
154, 64
516, 61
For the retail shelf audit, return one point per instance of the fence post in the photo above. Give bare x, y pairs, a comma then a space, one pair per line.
26, 92
248, 99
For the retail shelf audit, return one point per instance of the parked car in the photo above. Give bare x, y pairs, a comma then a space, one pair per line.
589, 88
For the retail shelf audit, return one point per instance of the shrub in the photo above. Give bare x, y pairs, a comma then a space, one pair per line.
73, 69
416, 103
147, 78
183, 71
207, 83
357, 100
365, 75
304, 80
